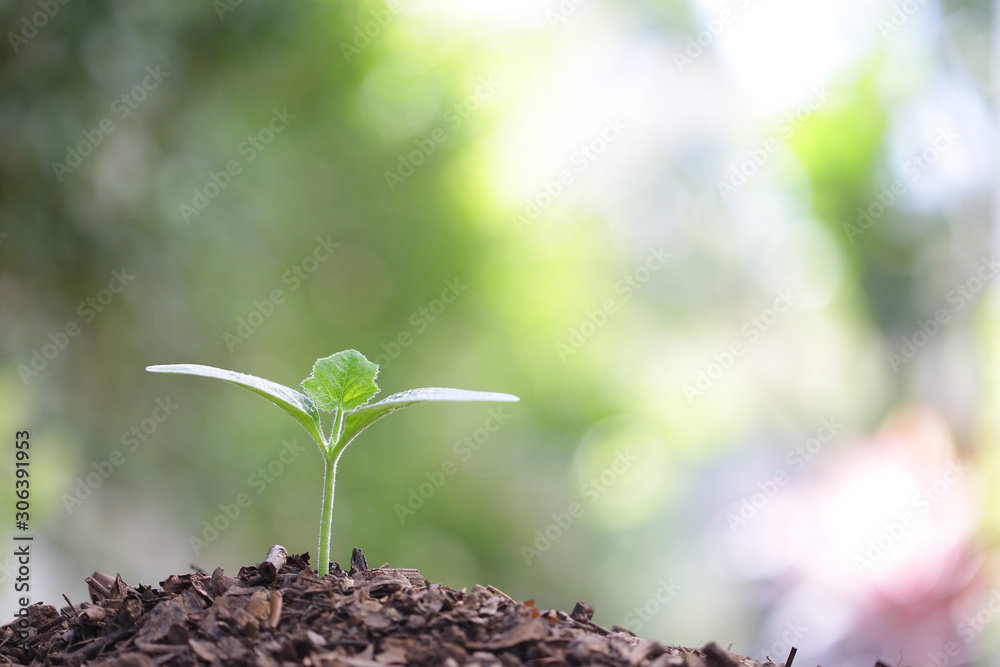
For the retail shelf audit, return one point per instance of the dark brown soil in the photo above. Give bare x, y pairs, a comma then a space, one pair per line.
279, 613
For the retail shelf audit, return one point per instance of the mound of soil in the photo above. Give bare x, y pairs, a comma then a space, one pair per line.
279, 613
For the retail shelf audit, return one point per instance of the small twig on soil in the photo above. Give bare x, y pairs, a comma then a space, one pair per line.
97, 587
497, 591
269, 568
791, 657
48, 626
71, 607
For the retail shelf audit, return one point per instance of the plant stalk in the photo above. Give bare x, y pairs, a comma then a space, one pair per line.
326, 520
331, 454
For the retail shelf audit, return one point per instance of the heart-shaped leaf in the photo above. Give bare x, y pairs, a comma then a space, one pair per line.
290, 400
365, 416
344, 380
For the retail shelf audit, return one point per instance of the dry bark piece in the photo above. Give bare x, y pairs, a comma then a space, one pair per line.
259, 605
245, 624
204, 650
131, 610
490, 606
718, 656
277, 604
200, 585
166, 622
176, 583
92, 616
358, 562
118, 588
220, 583
582, 612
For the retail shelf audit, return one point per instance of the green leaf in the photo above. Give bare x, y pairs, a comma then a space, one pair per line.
293, 402
343, 380
363, 417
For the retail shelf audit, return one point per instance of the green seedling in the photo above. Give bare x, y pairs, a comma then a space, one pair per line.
341, 384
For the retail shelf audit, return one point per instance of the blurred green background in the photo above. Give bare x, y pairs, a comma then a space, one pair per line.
691, 236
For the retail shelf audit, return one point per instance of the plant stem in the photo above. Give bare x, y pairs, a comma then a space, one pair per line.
326, 520
331, 454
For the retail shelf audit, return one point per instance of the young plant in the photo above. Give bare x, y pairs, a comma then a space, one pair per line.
341, 384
